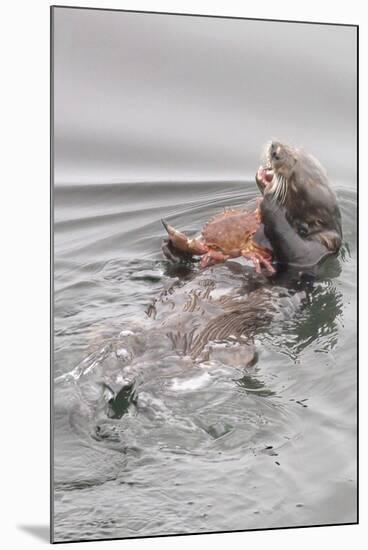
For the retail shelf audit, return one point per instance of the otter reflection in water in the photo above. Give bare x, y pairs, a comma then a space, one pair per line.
297, 224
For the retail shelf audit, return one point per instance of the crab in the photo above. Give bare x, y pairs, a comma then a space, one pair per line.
229, 234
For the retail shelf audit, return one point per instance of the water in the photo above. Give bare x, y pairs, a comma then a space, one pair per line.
250, 432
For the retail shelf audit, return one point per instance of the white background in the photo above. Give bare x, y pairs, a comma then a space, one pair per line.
24, 218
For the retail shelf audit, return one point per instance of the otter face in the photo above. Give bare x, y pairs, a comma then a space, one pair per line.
272, 179
281, 158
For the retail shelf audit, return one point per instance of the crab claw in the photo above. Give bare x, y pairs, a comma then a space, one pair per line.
175, 255
182, 242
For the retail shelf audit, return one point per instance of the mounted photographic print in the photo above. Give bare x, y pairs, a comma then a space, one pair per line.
204, 305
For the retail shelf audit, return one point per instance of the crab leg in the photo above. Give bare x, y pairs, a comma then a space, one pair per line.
259, 260
184, 243
213, 257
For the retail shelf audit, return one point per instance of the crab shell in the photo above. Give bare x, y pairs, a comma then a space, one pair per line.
230, 234
232, 231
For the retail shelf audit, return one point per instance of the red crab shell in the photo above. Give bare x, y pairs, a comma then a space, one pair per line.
227, 235
231, 231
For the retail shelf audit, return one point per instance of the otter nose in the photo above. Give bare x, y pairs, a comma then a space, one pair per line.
275, 151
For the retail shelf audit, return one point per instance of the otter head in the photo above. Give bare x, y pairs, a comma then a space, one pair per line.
272, 178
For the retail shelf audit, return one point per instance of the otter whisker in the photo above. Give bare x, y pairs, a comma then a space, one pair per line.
273, 187
279, 189
275, 184
285, 192
282, 191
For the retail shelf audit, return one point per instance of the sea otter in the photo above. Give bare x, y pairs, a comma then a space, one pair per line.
216, 314
299, 211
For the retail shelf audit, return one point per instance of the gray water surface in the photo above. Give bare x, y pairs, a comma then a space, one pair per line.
165, 117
